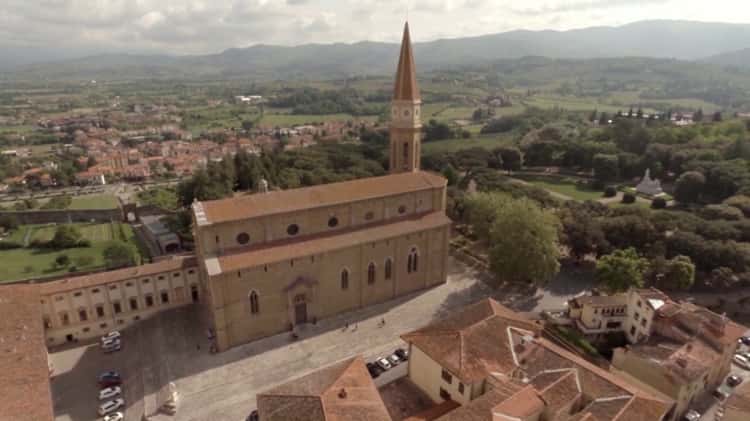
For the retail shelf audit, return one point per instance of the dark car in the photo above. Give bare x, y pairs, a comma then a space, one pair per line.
374, 370
745, 340
734, 380
253, 416
402, 354
109, 378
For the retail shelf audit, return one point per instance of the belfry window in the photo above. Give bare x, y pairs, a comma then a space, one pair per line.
254, 306
406, 153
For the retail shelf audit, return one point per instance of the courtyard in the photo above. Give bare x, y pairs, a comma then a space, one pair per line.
173, 347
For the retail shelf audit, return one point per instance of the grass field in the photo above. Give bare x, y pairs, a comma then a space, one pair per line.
286, 120
453, 145
31, 263
94, 201
563, 185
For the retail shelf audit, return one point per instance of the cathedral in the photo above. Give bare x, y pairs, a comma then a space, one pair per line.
275, 261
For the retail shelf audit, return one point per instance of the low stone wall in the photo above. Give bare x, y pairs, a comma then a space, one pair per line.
65, 216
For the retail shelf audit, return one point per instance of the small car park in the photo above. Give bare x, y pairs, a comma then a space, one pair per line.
117, 416
374, 370
109, 392
692, 415
111, 406
384, 364
733, 381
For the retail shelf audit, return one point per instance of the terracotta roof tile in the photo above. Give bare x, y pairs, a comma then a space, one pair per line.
284, 201
341, 392
99, 278
24, 383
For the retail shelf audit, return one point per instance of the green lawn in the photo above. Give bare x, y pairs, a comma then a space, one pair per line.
453, 145
563, 185
94, 201
28, 263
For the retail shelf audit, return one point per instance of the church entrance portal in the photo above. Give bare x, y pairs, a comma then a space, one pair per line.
300, 309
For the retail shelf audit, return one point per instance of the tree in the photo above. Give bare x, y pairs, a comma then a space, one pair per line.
248, 125
603, 119
717, 117
628, 198
511, 158
658, 203
582, 232
677, 273
593, 116
698, 115
524, 241
450, 174
118, 254
62, 260
621, 270
8, 222
481, 211
639, 113
605, 168
66, 236
689, 187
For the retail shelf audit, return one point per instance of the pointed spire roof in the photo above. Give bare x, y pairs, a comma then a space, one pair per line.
406, 76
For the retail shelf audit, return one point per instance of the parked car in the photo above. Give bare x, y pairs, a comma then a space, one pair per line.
745, 340
111, 346
394, 360
733, 380
384, 364
741, 361
374, 370
720, 394
109, 392
117, 416
110, 373
402, 354
253, 416
111, 406
111, 336
692, 415
109, 378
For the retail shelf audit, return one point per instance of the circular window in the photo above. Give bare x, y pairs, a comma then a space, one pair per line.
292, 229
402, 209
406, 113
369, 216
333, 222
243, 238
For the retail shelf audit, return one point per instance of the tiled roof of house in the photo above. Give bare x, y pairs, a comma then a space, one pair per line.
284, 201
341, 392
100, 278
265, 254
487, 341
600, 300
24, 379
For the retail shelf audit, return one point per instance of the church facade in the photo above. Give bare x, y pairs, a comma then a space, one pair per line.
273, 262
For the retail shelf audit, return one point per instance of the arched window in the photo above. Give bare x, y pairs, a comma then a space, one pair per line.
388, 269
254, 307
413, 263
344, 279
371, 273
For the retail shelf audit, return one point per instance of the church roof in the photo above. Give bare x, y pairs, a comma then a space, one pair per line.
284, 201
406, 88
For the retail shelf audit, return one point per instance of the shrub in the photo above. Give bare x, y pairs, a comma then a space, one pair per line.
628, 198
726, 212
659, 203
9, 222
610, 191
10, 245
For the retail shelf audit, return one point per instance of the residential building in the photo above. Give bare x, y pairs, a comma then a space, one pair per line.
682, 350
598, 314
88, 306
497, 366
342, 391
273, 262
24, 383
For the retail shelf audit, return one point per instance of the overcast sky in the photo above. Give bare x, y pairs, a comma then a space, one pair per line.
203, 26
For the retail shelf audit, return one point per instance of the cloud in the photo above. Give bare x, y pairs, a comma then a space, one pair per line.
580, 6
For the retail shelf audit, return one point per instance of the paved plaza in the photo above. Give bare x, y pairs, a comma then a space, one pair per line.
173, 347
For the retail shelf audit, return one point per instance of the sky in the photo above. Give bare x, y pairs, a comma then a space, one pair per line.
76, 27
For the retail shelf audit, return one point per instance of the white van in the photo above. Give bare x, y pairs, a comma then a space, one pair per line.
741, 361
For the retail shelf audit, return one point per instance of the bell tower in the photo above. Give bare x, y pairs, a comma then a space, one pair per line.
406, 123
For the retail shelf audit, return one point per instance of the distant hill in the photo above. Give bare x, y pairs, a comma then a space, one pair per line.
656, 39
739, 58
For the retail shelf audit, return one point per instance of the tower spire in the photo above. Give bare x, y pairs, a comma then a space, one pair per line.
406, 88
